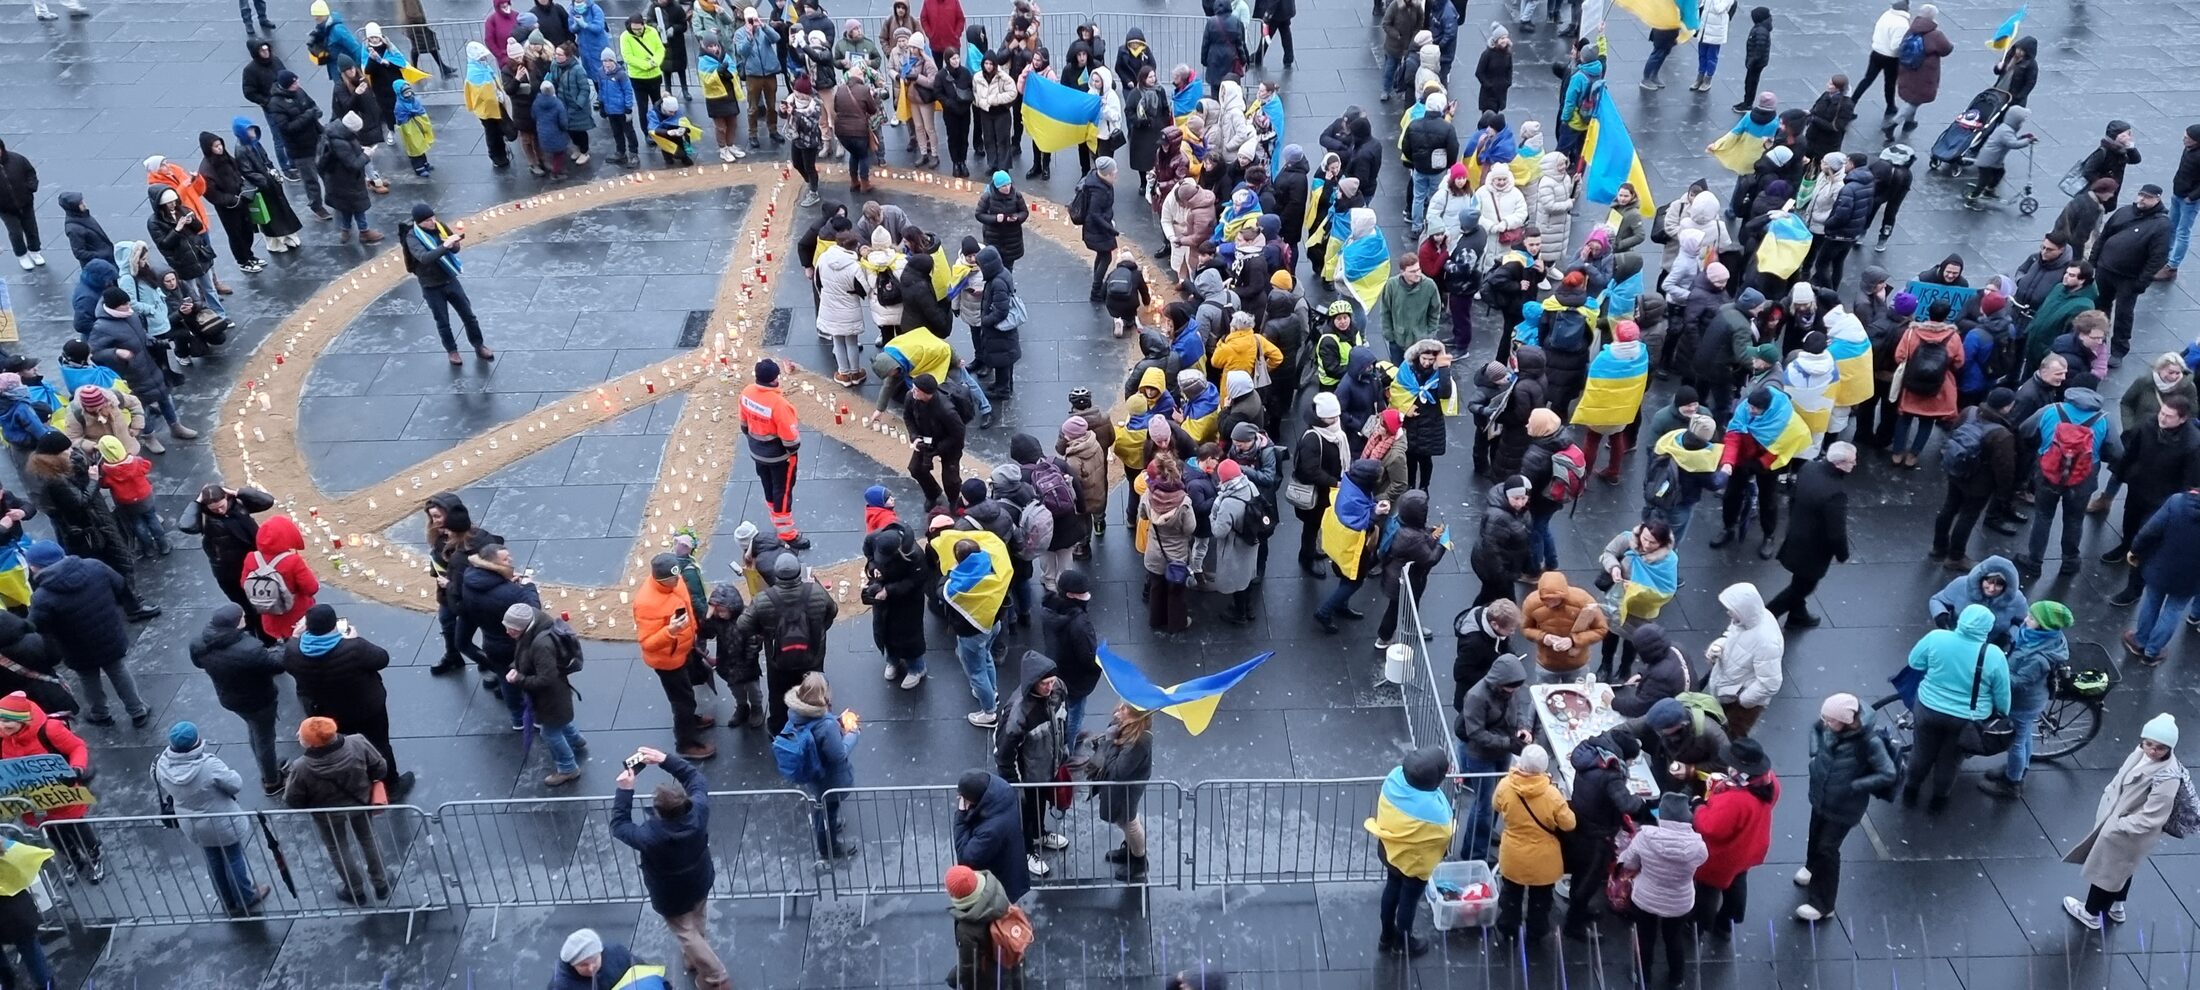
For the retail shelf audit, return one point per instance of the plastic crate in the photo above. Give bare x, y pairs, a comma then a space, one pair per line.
1459, 875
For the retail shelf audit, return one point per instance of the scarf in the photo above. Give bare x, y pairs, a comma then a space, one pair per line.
1378, 445
313, 645
1163, 499
1333, 435
1410, 380
2166, 387
435, 240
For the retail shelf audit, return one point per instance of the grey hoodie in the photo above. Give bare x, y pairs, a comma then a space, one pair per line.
201, 784
1490, 718
2007, 136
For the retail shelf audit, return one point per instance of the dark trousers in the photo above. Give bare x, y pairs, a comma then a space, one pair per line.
375, 725
1589, 858
2098, 900
1875, 418
805, 165
624, 141
1032, 802
1822, 857
776, 685
458, 644
1165, 603
245, 9
1751, 72
687, 730
1735, 500
1830, 261
1795, 597
1493, 588
950, 475
1717, 910
1881, 67
311, 178
493, 138
2047, 500
2119, 294
1101, 262
1416, 585
1310, 528
261, 727
1538, 918
1420, 470
1401, 898
237, 227
993, 126
646, 94
1959, 512
957, 123
1988, 180
1935, 752
1651, 932
77, 841
22, 230
444, 298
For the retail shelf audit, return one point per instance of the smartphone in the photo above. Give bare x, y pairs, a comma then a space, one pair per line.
635, 763
680, 613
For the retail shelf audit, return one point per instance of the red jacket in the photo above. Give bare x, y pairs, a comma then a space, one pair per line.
942, 21
131, 481
278, 534
1737, 830
42, 735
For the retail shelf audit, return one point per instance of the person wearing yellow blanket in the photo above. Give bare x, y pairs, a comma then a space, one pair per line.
1349, 526
975, 568
1414, 823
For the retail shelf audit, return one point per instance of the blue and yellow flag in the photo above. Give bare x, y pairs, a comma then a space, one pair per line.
1192, 702
1650, 584
1852, 355
919, 351
15, 579
1664, 15
1778, 429
1740, 147
1786, 243
1314, 233
1057, 116
1202, 413
1185, 101
1414, 825
1613, 161
2006, 34
1238, 213
1364, 265
1613, 394
974, 587
643, 978
1346, 525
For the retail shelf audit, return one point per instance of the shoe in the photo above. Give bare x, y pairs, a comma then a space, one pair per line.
1651, 85
909, 682
2125, 598
485, 354
152, 444
1134, 869
2116, 912
144, 612
1766, 548
382, 890
1800, 619
141, 719
448, 665
370, 237
1802, 877
2006, 527
1881, 244
1742, 107
2069, 567
2192, 619
983, 720
1936, 804
2000, 786
2167, 273
1726, 536
699, 751
1355, 614
1036, 866
1327, 624
798, 544
706, 721
1053, 840
1959, 562
343, 236
1414, 946
268, 25
2098, 504
2075, 908
349, 896
725, 155
561, 779
37, 258
325, 216
271, 787
97, 872
809, 198
1117, 854
455, 358
519, 724
1804, 912
47, 15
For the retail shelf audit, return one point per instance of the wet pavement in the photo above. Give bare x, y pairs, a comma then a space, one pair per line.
1969, 899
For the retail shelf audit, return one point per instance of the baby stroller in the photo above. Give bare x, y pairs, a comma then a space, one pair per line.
1959, 144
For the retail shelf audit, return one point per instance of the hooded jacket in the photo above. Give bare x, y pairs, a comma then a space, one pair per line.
343, 683
1665, 858
491, 589
834, 745
243, 671
2134, 242
1005, 236
1534, 813
39, 677
1495, 709
1665, 672
2167, 544
758, 626
1951, 658
677, 868
338, 775
989, 837
1602, 797
88, 241
41, 735
1746, 668
77, 605
342, 164
1575, 616
1411, 543
275, 537
1921, 84
227, 539
201, 784
296, 119
1027, 741
1970, 589
1736, 825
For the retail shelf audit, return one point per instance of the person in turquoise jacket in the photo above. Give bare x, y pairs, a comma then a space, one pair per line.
1966, 680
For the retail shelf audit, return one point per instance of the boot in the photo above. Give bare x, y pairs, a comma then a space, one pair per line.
182, 432
1726, 536
1132, 868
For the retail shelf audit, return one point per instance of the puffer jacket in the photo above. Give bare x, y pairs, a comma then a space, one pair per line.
1736, 826
42, 735
201, 784
2008, 607
338, 775
1852, 206
1847, 768
1535, 815
1746, 665
1665, 858
1554, 207
840, 293
243, 671
490, 590
77, 605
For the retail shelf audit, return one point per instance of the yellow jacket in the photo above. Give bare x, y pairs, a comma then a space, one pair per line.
1534, 814
1241, 348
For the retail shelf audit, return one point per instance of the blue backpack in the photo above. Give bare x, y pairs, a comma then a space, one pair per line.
1911, 53
795, 750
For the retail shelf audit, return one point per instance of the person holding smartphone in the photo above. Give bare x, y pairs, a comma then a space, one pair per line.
666, 630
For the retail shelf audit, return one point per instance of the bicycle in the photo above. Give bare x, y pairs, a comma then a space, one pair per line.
2071, 719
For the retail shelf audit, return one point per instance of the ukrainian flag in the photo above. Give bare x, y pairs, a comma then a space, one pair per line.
1740, 147
1852, 356
1786, 243
1192, 702
1778, 429
1650, 584
1613, 161
1364, 264
1414, 825
1131, 434
1346, 525
1613, 395
1664, 15
1313, 233
15, 579
919, 351
976, 586
1057, 116
2006, 34
1202, 414
1185, 101
1240, 212
943, 273
643, 978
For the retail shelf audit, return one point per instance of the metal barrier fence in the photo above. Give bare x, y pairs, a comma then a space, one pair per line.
155, 874
901, 839
1421, 696
549, 851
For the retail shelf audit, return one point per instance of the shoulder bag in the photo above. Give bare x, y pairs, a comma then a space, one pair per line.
1989, 736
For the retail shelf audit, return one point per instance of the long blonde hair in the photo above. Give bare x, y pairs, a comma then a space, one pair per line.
1131, 725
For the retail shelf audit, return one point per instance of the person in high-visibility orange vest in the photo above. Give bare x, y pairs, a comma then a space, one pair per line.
775, 442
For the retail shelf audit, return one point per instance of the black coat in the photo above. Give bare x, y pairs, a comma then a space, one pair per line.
183, 248
1502, 550
1073, 643
297, 120
33, 668
82, 522
259, 73
342, 164
2158, 464
2186, 183
1852, 206
1601, 799
77, 606
227, 538
1527, 396
675, 853
989, 836
2134, 243
489, 591
1005, 236
1999, 464
1094, 207
1365, 161
1818, 519
1289, 188
1845, 768
243, 671
373, 125
344, 683
1476, 650
87, 239
895, 563
18, 182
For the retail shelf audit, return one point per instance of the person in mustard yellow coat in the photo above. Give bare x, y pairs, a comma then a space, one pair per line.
1528, 856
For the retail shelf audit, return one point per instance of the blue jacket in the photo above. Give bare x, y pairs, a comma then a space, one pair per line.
98, 274
1978, 348
590, 36
77, 606
2032, 662
1949, 658
550, 133
1970, 589
2077, 405
336, 39
756, 50
616, 92
617, 959
990, 837
2168, 544
833, 747
1585, 75
20, 422
676, 864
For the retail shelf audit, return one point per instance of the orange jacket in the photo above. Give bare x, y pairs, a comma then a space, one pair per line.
41, 735
769, 422
190, 189
1575, 616
663, 648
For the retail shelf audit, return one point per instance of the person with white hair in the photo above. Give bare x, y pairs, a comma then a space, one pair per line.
587, 962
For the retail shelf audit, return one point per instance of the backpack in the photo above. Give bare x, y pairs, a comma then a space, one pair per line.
1037, 524
2068, 458
1053, 486
264, 587
567, 645
1701, 706
1897, 754
1011, 934
1462, 270
1964, 454
889, 290
795, 750
1122, 284
959, 396
792, 646
1569, 472
2184, 811
1911, 53
1927, 369
1260, 521
1565, 329
1661, 486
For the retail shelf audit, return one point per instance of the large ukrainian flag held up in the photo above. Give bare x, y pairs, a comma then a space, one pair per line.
1664, 15
2006, 34
1613, 160
1192, 702
1057, 116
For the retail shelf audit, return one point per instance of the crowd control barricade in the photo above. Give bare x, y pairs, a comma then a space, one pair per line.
554, 851
1406, 662
1255, 832
155, 874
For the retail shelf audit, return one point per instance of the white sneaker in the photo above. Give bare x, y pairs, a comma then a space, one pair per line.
25, 261
889, 672
580, 158
983, 720
2116, 912
909, 682
37, 259
1802, 877
2075, 908
1039, 868
293, 239
725, 155
1056, 840
1804, 912
738, 154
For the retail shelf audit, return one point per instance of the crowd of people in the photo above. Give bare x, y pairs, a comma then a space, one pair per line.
1723, 319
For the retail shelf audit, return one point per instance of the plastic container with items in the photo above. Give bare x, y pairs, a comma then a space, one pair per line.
1462, 894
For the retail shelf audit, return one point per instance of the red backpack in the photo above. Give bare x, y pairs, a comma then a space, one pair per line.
1569, 473
2068, 458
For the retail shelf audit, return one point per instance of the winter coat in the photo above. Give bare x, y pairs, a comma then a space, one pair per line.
1930, 405
989, 836
1847, 768
896, 564
1553, 210
1490, 718
977, 962
115, 333
18, 182
1921, 85
226, 539
550, 118
540, 662
1094, 201
201, 784
1232, 558
1577, 616
1535, 813
39, 677
1951, 658
344, 683
2167, 544
1819, 509
1005, 236
1602, 798
42, 735
1665, 674
841, 288
677, 868
758, 627
342, 164
77, 606
2127, 823
834, 744
1746, 668
1665, 858
243, 671
338, 775
121, 418
88, 241
2008, 608
2134, 242
2009, 135
1852, 206
296, 119
1998, 467
490, 590
1736, 826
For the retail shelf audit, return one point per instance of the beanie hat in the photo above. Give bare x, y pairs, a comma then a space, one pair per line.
421, 212
2162, 729
1750, 299
1073, 583
183, 737
1393, 420
2001, 398
91, 396
1326, 406
1281, 280
925, 383
1000, 179
1767, 101
319, 8
973, 490
1533, 759
113, 296
1673, 807
519, 615
16, 708
1244, 433
284, 78
1425, 768
962, 881
52, 442
1666, 715
44, 553
351, 120
580, 945
1992, 302
112, 451
321, 619
1229, 471
1515, 486
2051, 614
1075, 427
1717, 273
1627, 332
1905, 304
875, 496
2150, 189
804, 86
1841, 708
663, 566
767, 372
1543, 423
786, 568
320, 730
971, 786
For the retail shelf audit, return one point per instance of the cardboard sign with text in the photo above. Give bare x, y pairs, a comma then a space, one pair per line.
46, 781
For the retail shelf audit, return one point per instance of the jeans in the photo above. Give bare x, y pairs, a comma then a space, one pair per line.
563, 740
95, 693
1707, 60
1656, 61
232, 878
34, 959
1543, 547
143, 526
859, 157
1073, 719
347, 220
2027, 722
2181, 213
1884, 68
1678, 519
825, 822
969, 382
2046, 499
975, 653
210, 298
1905, 114
275, 141
1480, 819
261, 725
1401, 898
1917, 442
1340, 597
1391, 63
1822, 857
1425, 185
2157, 619
444, 298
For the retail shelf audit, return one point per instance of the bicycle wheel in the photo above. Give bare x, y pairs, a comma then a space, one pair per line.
1892, 713
2065, 727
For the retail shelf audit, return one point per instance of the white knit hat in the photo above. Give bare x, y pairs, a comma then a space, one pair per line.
580, 945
